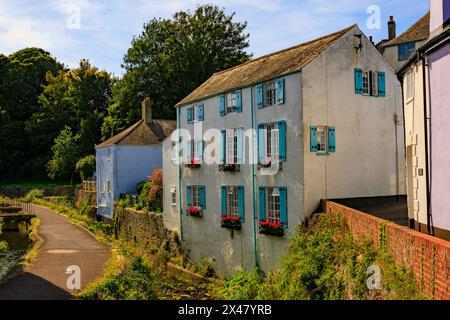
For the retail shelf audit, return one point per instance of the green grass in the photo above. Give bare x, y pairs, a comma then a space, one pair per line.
34, 184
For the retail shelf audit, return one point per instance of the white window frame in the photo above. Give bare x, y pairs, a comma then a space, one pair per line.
366, 83
196, 150
195, 197
271, 142
410, 85
374, 81
230, 102
270, 93
195, 113
322, 134
173, 196
232, 202
273, 207
231, 146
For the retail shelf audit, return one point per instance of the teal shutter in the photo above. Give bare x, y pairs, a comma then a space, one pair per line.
201, 112
359, 81
280, 91
259, 96
222, 105
188, 196
262, 204
240, 145
241, 201
189, 115
381, 84
189, 151
239, 100
223, 144
283, 206
313, 138
203, 197
261, 143
202, 151
331, 139
282, 138
223, 201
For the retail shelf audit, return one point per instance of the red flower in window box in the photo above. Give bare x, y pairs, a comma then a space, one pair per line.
231, 222
271, 228
195, 212
194, 164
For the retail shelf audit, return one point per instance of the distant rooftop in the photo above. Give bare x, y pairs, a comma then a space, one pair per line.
419, 31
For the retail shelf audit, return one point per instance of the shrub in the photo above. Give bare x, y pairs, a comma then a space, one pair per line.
153, 191
3, 246
34, 195
242, 286
86, 167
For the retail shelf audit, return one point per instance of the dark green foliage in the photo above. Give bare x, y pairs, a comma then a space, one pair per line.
65, 155
171, 58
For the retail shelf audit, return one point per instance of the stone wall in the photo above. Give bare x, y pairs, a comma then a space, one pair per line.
48, 192
82, 195
427, 256
145, 230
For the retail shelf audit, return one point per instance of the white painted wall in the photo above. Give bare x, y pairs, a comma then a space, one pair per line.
170, 179
365, 163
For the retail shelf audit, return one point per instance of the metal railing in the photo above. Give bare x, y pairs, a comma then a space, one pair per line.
90, 186
9, 206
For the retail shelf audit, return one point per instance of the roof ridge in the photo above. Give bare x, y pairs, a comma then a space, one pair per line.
412, 27
343, 31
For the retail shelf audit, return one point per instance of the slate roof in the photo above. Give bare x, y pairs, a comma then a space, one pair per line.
419, 31
142, 133
264, 68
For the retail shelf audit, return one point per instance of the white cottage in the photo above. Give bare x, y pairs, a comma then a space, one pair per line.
129, 158
324, 121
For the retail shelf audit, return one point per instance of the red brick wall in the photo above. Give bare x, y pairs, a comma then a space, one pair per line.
427, 256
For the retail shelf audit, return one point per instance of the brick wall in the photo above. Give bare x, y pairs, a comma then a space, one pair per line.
427, 256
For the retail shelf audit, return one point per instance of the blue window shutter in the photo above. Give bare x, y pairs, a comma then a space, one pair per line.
282, 138
262, 204
280, 91
202, 150
313, 138
241, 201
240, 145
381, 84
203, 197
261, 143
259, 96
189, 115
189, 151
223, 201
331, 139
283, 206
223, 144
359, 81
201, 112
239, 100
222, 105
188, 196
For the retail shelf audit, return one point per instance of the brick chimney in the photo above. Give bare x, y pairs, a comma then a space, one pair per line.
147, 109
392, 28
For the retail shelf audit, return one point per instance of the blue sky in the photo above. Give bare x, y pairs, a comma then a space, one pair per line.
107, 27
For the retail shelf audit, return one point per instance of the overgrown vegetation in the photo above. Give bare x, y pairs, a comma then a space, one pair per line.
86, 167
325, 263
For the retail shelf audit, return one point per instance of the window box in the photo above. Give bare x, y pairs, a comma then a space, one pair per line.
273, 229
231, 223
195, 212
194, 164
229, 168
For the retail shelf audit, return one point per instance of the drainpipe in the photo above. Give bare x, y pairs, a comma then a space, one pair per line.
180, 191
427, 147
255, 244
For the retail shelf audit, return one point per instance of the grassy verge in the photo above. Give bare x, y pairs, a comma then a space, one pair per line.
35, 184
325, 263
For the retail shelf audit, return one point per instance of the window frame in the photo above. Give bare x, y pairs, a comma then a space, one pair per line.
409, 85
273, 205
232, 202
366, 83
229, 106
270, 93
231, 146
195, 197
410, 48
196, 150
374, 92
271, 147
325, 136
173, 196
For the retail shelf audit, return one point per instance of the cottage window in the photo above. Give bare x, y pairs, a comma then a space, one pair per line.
366, 83
374, 83
231, 146
272, 150
231, 100
270, 90
409, 85
232, 202
174, 152
322, 139
197, 148
406, 50
195, 196
173, 195
273, 205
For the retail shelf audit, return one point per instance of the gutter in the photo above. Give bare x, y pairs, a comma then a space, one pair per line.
180, 191
255, 244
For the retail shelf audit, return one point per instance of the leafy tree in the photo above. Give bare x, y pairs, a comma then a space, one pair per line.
65, 155
172, 57
86, 167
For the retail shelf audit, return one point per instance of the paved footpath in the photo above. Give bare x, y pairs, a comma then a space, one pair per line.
64, 245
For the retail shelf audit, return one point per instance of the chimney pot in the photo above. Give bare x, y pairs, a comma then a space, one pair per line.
392, 28
147, 109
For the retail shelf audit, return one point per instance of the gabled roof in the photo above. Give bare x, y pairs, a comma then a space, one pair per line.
419, 31
142, 133
266, 67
